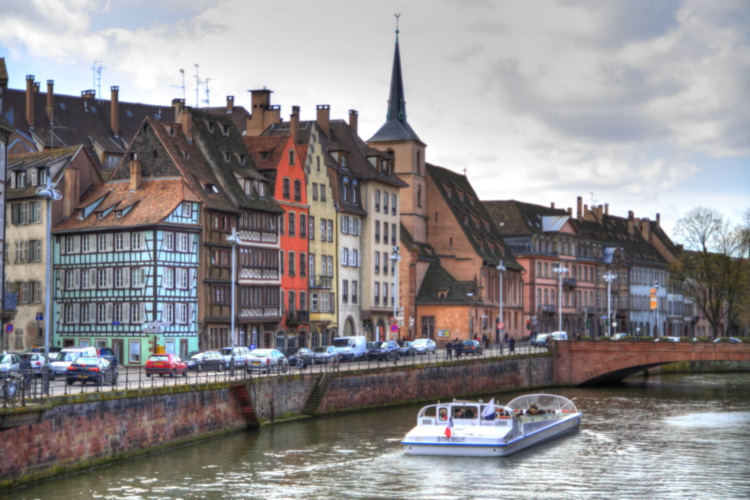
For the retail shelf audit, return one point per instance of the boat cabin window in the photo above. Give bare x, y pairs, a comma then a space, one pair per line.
443, 413
465, 412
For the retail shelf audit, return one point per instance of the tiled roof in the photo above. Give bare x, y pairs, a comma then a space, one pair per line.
612, 231
152, 202
54, 159
472, 216
512, 218
425, 251
437, 280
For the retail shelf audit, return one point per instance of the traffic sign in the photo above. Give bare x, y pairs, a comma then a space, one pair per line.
500, 325
9, 328
394, 328
392, 319
40, 316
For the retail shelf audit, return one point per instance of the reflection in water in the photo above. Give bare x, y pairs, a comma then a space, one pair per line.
663, 437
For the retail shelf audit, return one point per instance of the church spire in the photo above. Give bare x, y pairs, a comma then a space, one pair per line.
396, 128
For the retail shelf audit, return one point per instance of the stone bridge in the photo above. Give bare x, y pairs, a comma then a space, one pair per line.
591, 362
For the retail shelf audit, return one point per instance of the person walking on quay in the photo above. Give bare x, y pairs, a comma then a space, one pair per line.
449, 350
486, 341
512, 345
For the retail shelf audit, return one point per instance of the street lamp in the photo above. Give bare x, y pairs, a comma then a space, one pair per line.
559, 269
609, 277
501, 325
234, 240
471, 323
51, 194
395, 258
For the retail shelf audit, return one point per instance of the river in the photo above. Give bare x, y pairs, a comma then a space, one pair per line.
671, 436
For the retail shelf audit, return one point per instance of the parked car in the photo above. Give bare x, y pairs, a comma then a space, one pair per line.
108, 354
470, 347
667, 339
424, 346
69, 354
39, 362
325, 354
268, 360
406, 348
540, 340
165, 364
91, 368
205, 361
384, 350
241, 356
558, 335
730, 340
10, 362
53, 351
619, 336
303, 354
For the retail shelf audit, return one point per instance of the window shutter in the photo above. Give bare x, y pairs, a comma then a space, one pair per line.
191, 285
109, 312
76, 313
92, 312
126, 278
61, 280
108, 274
77, 278
126, 312
126, 241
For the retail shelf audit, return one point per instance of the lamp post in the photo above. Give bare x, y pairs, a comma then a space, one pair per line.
471, 323
234, 240
559, 269
51, 194
501, 325
609, 277
395, 258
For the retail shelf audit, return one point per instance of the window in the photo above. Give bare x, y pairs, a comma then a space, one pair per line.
345, 190
329, 224
168, 241
354, 261
322, 192
122, 242
297, 190
136, 240
182, 242
311, 267
138, 277
292, 224
291, 263
168, 277
136, 312
376, 291
72, 245
385, 262
302, 264
393, 235
315, 191
302, 226
393, 204
281, 262
322, 229
71, 313
354, 292
385, 232
122, 277
377, 262
345, 291
292, 301
311, 227
21, 179
385, 203
385, 294
182, 314
88, 243
285, 189
182, 278
104, 313
377, 200
377, 231
120, 312
104, 242
168, 313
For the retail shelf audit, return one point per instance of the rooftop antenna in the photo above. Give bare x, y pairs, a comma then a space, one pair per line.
197, 87
97, 70
182, 72
397, 16
207, 99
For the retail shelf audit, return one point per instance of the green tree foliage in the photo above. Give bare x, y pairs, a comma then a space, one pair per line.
713, 268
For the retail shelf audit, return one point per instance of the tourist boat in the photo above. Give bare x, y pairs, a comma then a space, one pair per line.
479, 429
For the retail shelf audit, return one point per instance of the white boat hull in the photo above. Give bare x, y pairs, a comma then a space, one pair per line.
474, 442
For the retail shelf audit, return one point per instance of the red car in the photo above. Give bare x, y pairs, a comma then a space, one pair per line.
166, 364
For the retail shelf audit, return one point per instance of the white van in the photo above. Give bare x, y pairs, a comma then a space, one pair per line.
351, 348
559, 335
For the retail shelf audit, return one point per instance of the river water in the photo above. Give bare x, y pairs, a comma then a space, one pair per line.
672, 436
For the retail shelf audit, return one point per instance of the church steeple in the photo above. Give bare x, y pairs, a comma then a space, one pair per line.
396, 128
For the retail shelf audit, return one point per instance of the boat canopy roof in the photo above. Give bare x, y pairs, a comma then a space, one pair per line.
543, 402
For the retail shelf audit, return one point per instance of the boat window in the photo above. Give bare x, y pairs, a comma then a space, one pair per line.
464, 412
443, 413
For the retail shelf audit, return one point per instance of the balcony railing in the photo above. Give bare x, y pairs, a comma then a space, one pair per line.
297, 317
323, 282
549, 308
570, 282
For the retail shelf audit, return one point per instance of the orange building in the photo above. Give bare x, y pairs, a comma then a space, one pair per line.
279, 159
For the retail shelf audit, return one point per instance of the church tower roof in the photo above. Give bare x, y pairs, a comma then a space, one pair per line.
396, 128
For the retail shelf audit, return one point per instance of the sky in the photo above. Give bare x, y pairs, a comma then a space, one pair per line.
640, 104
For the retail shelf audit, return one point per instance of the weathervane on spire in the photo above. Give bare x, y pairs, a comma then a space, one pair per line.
397, 16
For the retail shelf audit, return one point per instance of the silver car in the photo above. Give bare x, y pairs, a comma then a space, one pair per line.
268, 360
424, 346
10, 362
241, 355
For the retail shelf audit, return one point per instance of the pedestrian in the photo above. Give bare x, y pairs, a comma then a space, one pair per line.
25, 369
457, 348
512, 345
506, 337
486, 341
449, 350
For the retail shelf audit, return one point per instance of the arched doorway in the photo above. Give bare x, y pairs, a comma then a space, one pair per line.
349, 329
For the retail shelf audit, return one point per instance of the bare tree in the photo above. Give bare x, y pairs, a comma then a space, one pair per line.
713, 268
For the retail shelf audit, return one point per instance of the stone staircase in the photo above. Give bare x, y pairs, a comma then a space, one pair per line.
242, 394
318, 392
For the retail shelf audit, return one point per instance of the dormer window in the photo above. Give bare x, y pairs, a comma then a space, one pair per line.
241, 159
42, 176
227, 156
118, 213
211, 127
21, 179
211, 189
264, 155
81, 215
33, 175
100, 215
442, 295
186, 155
291, 157
344, 160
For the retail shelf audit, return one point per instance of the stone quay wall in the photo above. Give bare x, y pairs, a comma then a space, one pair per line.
95, 429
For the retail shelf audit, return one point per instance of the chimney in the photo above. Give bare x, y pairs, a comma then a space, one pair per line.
570, 211
606, 208
88, 95
230, 104
71, 193
30, 100
658, 220
177, 105
114, 110
260, 102
135, 174
646, 229
552, 205
579, 207
353, 119
585, 211
50, 100
324, 118
294, 123
631, 222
